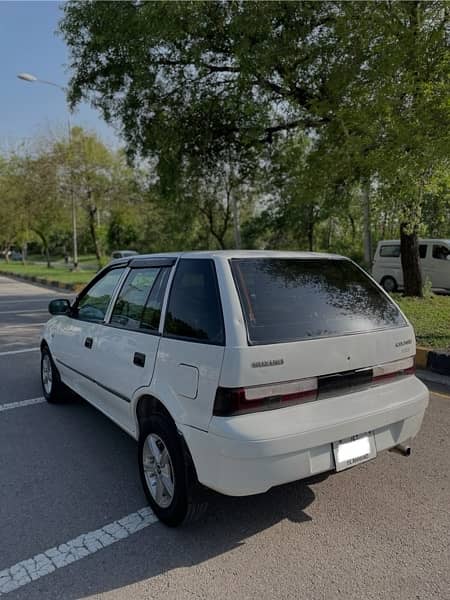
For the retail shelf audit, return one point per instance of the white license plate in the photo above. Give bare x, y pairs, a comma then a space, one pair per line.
354, 450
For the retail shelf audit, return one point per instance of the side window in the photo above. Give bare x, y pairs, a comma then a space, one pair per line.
194, 311
152, 311
422, 250
390, 251
440, 252
129, 307
92, 306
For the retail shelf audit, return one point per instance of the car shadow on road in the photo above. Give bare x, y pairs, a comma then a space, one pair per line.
157, 550
229, 524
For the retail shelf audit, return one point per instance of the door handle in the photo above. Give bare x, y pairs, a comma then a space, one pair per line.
139, 359
88, 342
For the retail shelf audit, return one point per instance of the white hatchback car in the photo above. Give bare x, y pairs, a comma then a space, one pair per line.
238, 370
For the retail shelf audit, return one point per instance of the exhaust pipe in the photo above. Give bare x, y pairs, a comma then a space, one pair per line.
403, 449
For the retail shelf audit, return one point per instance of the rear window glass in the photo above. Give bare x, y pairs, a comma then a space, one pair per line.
391, 251
285, 300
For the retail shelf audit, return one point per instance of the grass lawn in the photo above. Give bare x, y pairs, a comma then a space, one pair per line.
430, 318
57, 273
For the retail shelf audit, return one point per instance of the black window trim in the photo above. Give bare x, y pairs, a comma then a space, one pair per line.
241, 303
185, 338
155, 332
136, 263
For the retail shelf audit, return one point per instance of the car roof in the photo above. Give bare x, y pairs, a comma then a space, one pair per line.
228, 254
421, 241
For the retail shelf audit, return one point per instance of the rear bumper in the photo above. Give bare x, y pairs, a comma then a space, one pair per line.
250, 454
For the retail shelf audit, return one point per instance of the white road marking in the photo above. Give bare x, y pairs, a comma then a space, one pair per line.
21, 403
19, 351
42, 300
23, 326
85, 544
23, 312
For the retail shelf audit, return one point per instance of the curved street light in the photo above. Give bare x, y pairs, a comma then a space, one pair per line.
32, 79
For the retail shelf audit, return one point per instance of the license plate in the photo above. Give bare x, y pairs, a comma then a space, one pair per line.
354, 450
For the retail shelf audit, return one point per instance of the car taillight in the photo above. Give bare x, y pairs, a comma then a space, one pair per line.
239, 401
397, 368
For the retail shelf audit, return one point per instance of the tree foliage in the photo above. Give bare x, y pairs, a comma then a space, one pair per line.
189, 82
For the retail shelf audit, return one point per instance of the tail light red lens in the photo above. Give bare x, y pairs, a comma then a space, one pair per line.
397, 368
239, 401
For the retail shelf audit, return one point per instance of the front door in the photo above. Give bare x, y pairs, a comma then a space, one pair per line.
73, 339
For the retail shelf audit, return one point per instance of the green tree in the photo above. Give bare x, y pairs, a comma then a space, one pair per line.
368, 82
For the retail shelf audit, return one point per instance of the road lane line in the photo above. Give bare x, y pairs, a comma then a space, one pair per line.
46, 562
19, 351
22, 326
43, 300
24, 312
21, 403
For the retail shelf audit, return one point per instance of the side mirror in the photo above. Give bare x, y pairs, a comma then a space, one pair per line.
59, 307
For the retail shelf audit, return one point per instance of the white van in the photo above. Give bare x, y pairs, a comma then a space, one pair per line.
434, 258
238, 370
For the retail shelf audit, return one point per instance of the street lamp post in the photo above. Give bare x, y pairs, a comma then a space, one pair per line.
32, 78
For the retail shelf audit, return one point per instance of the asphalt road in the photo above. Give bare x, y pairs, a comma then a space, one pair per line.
378, 531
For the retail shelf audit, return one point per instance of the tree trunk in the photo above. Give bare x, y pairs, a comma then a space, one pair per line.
45, 246
93, 231
310, 228
329, 233
310, 236
24, 252
409, 249
367, 234
47, 257
236, 221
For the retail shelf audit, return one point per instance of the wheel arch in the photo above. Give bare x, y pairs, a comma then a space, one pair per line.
146, 406
394, 279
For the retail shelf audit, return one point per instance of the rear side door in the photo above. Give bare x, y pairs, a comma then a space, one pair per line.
126, 344
191, 349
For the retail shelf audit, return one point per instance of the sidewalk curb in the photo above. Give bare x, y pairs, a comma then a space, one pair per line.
430, 377
47, 283
437, 361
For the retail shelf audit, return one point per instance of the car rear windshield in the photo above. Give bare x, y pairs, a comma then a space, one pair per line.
286, 299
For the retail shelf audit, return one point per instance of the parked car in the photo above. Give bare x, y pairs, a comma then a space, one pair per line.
239, 371
123, 253
434, 259
11, 255
16, 256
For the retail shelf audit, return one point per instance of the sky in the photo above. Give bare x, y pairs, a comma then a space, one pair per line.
28, 43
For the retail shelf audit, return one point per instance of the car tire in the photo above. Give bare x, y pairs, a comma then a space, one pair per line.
389, 284
167, 473
52, 386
